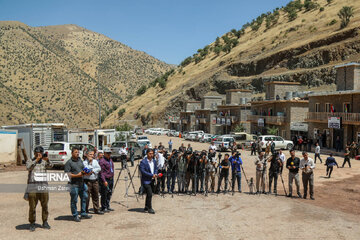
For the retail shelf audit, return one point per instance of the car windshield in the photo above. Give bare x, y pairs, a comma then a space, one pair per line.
142, 138
56, 146
117, 144
78, 146
228, 140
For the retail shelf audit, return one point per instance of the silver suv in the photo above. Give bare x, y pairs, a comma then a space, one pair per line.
115, 148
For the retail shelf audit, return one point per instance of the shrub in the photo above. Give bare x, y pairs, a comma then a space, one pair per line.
332, 22
310, 5
345, 14
329, 1
141, 90
186, 61
292, 15
121, 112
227, 48
217, 50
217, 42
322, 9
162, 83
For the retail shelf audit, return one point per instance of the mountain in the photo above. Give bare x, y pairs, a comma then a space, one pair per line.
300, 42
48, 74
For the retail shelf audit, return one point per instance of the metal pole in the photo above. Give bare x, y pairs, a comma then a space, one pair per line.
98, 78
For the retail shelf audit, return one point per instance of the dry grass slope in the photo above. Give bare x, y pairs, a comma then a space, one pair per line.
303, 50
48, 74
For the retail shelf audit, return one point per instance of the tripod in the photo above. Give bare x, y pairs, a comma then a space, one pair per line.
124, 163
247, 181
282, 180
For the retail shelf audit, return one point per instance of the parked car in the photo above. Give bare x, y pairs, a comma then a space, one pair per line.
242, 137
141, 138
224, 143
133, 136
139, 131
60, 152
280, 143
143, 143
115, 148
205, 138
164, 131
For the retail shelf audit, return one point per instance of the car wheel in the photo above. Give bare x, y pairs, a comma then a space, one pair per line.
289, 146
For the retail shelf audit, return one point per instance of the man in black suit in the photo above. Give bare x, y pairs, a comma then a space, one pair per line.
149, 172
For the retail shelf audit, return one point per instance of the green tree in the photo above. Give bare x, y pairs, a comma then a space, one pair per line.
329, 1
162, 83
345, 14
292, 15
217, 50
239, 128
217, 42
310, 5
227, 48
272, 130
141, 90
124, 127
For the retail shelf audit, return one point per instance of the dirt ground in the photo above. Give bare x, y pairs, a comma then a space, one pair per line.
333, 215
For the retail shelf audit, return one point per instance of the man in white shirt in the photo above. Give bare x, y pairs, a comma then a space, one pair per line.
282, 158
307, 166
161, 169
212, 147
317, 152
123, 155
92, 181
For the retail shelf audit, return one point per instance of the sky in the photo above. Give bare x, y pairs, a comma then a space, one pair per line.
168, 30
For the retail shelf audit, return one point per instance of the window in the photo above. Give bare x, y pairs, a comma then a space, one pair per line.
317, 107
56, 146
37, 139
327, 107
346, 107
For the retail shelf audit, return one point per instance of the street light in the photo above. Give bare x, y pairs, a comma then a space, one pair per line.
99, 94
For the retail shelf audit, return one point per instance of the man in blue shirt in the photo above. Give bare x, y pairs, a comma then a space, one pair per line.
330, 163
236, 163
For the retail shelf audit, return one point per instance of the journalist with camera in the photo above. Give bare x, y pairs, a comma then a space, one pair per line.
171, 170
236, 163
37, 165
274, 170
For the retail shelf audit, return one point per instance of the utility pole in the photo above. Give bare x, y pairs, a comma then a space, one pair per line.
99, 94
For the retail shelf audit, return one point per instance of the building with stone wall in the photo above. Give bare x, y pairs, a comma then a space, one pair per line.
287, 116
278, 90
237, 96
334, 117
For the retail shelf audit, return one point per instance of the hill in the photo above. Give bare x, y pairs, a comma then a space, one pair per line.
301, 42
48, 74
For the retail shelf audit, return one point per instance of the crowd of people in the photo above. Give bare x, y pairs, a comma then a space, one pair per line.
181, 171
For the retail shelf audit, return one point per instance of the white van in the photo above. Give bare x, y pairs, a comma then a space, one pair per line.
60, 152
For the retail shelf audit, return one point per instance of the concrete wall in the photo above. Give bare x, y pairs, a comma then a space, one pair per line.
348, 78
337, 100
233, 97
192, 106
8, 146
272, 90
211, 102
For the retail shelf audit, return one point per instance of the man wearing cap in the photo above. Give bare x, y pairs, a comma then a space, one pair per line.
149, 172
293, 164
106, 180
36, 166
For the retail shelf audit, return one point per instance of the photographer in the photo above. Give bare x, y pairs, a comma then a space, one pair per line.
37, 165
224, 173
210, 167
181, 170
307, 166
293, 164
191, 171
74, 167
236, 163
260, 163
171, 170
160, 182
201, 172
274, 170
123, 155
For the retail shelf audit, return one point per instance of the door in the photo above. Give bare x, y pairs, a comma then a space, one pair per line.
338, 133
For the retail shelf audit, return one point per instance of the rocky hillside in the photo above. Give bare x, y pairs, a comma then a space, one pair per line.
48, 74
301, 42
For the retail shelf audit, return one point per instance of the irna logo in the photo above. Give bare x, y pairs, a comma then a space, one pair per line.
51, 177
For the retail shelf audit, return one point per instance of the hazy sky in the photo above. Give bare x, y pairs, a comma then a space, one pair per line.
166, 29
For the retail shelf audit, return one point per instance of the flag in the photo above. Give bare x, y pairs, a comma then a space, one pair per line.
332, 108
346, 108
